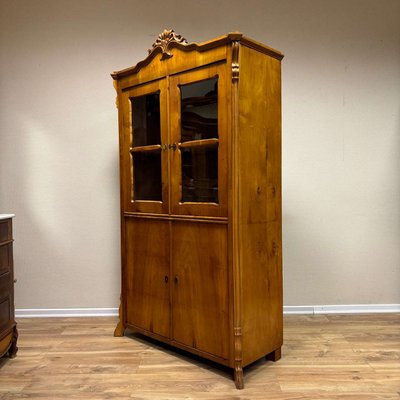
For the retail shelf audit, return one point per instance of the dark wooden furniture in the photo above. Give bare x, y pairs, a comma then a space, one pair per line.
200, 166
8, 326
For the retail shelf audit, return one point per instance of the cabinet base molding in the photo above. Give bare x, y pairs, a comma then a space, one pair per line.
179, 345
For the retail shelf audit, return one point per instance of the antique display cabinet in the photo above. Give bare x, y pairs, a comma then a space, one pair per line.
8, 327
200, 169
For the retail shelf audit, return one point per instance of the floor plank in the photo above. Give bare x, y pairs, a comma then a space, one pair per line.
352, 357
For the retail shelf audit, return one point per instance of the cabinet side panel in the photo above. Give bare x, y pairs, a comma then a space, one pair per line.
260, 215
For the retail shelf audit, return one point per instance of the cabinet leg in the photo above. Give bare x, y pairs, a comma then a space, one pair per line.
119, 329
238, 375
12, 351
275, 355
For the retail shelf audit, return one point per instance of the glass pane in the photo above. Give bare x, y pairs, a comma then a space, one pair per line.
146, 120
200, 174
147, 175
199, 110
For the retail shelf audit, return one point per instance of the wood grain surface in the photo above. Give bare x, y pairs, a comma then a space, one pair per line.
323, 357
220, 163
260, 215
200, 298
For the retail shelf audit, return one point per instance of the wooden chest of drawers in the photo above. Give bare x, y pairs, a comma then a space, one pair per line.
8, 326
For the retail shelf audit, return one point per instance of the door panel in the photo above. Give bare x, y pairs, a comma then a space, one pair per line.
199, 131
144, 159
147, 275
200, 287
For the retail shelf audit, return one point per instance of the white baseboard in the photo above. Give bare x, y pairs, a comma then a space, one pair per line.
287, 310
65, 312
343, 309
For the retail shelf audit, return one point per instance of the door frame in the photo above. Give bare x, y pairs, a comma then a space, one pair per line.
178, 207
129, 202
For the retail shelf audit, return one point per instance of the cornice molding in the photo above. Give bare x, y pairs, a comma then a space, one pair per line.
169, 39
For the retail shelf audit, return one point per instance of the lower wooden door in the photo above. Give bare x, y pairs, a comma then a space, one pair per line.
147, 270
200, 308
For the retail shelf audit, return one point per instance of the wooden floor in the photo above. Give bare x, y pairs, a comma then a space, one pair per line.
324, 357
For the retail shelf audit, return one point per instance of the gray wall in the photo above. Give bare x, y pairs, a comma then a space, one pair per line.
341, 141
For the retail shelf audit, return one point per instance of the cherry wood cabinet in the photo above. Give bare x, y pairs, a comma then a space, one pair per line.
8, 326
200, 169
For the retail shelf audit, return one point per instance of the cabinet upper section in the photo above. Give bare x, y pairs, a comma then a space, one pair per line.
178, 123
168, 48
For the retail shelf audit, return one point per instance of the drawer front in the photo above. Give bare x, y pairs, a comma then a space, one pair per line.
5, 258
5, 230
5, 312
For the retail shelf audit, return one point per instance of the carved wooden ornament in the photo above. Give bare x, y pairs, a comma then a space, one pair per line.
164, 41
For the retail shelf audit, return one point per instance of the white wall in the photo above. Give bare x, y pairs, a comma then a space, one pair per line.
341, 141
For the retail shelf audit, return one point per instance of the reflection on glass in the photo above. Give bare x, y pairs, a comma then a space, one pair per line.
199, 110
200, 174
147, 175
146, 120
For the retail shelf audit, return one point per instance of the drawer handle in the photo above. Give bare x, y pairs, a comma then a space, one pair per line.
176, 280
166, 278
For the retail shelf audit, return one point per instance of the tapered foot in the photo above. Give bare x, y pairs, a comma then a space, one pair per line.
275, 355
119, 330
12, 351
238, 374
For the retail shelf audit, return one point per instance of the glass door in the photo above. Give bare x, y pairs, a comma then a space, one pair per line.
145, 161
199, 132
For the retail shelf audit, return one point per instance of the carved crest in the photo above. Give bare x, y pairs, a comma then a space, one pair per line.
165, 39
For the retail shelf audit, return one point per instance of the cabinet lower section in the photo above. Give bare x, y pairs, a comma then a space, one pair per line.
178, 287
176, 283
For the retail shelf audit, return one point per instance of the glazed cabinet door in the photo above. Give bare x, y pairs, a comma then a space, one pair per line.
199, 123
146, 275
200, 287
144, 137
